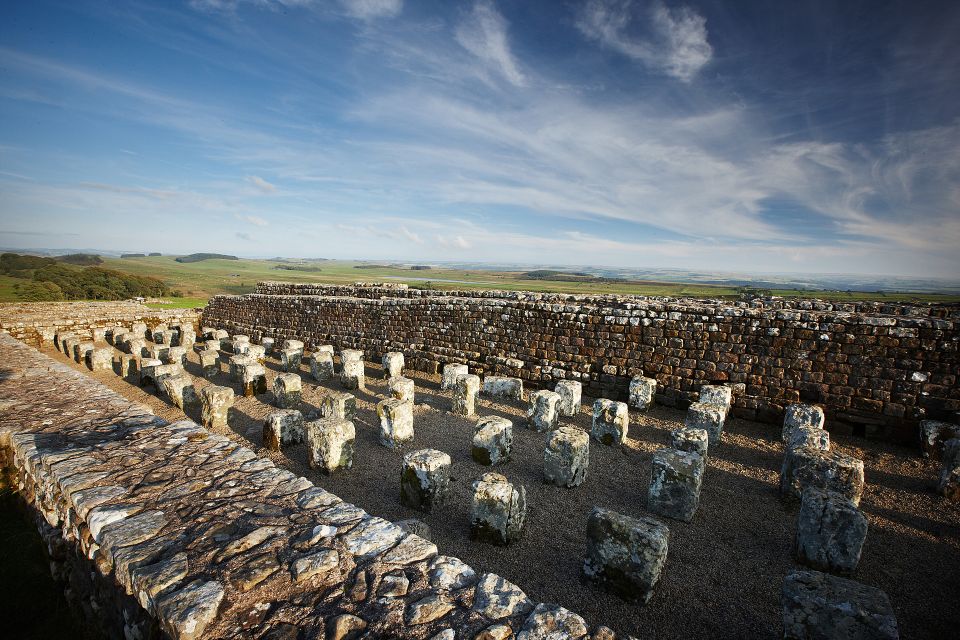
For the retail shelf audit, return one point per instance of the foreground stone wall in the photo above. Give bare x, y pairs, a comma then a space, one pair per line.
37, 322
882, 366
167, 530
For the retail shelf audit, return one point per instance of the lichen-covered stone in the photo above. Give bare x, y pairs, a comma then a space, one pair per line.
392, 364
268, 345
447, 573
675, 479
180, 390
830, 531
801, 416
643, 391
499, 510
465, 395
566, 457
126, 364
401, 388
352, 373
497, 598
451, 373
331, 444
808, 467
571, 393
283, 427
543, 414
80, 351
709, 416
176, 355
396, 422
492, 440
257, 352
611, 421
100, 359
934, 435
338, 404
294, 345
425, 479
820, 606
503, 387
690, 439
808, 437
321, 366
949, 482
215, 403
290, 360
287, 390
147, 367
159, 351
552, 622
210, 363
625, 555
186, 613
720, 394
238, 365
254, 379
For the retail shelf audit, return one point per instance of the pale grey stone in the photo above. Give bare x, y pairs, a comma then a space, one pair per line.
571, 393
331, 444
425, 479
808, 437
100, 359
720, 394
499, 510
566, 457
215, 403
497, 598
396, 422
643, 391
503, 387
801, 416
238, 365
352, 374
611, 421
830, 531
290, 360
447, 573
543, 414
808, 467
147, 367
492, 440
210, 363
675, 479
372, 537
465, 395
287, 390
320, 562
321, 365
416, 527
186, 613
625, 555
393, 364
283, 427
401, 388
934, 435
690, 439
180, 391
254, 379
451, 373
709, 416
338, 404
552, 622
821, 606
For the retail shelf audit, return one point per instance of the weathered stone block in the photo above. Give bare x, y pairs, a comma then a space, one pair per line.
283, 428
949, 483
425, 479
287, 390
566, 457
689, 439
139, 329
296, 345
127, 364
392, 364
80, 351
820, 606
499, 510
159, 351
268, 345
719, 394
352, 374
164, 370
830, 531
147, 367
808, 437
451, 372
675, 478
642, 392
180, 391
708, 416
492, 440
257, 352
331, 444
503, 387
611, 421
465, 395
543, 414
625, 555
290, 360
176, 355
254, 379
138, 347
187, 338
321, 365
240, 348
215, 403
571, 393
934, 435
801, 416
210, 363
238, 365
396, 422
808, 467
338, 404
100, 359
401, 388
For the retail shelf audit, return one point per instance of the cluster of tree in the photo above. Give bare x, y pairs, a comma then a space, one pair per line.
420, 267
296, 267
48, 279
197, 257
133, 255
82, 259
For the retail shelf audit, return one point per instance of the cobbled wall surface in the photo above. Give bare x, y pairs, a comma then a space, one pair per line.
167, 530
883, 367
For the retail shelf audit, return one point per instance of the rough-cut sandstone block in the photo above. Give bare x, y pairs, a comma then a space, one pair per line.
807, 467
176, 355
496, 598
719, 394
503, 387
689, 439
287, 390
492, 440
611, 421
100, 359
321, 366
210, 363
282, 428
159, 351
566, 457
949, 484
127, 364
257, 352
290, 360
254, 379
187, 339
465, 395
80, 351
392, 364
934, 435
801, 416
351, 355
708, 416
240, 348
296, 345
331, 444
185, 613
165, 370
675, 478
808, 437
180, 390
425, 479
338, 404
820, 606
147, 367
401, 388
352, 374
238, 365
571, 393
215, 403
268, 345
138, 347
642, 392
139, 329
396, 422
543, 414
625, 555
499, 510
830, 531
452, 372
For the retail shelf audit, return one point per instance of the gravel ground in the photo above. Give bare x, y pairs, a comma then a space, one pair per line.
724, 570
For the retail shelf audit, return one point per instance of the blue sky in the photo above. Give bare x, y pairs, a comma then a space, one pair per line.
748, 136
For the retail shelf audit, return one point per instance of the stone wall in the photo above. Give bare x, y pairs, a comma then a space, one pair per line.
37, 322
167, 530
882, 367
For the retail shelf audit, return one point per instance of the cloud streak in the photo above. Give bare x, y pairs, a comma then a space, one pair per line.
484, 34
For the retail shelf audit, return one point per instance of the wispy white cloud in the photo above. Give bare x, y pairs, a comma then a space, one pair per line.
673, 41
411, 236
484, 34
254, 220
261, 184
370, 9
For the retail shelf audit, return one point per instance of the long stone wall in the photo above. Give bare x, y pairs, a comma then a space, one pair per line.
882, 367
167, 530
37, 322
